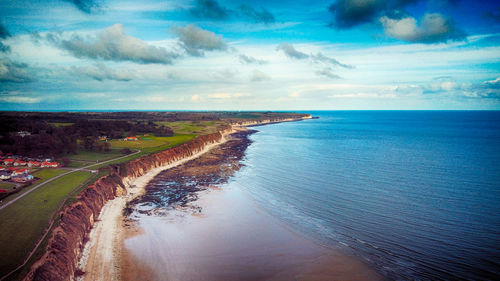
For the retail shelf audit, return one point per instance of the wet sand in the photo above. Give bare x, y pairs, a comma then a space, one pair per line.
102, 256
214, 231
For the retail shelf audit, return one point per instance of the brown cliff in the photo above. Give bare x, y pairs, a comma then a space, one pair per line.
67, 240
76, 220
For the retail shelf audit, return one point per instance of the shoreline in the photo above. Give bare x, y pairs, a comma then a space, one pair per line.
100, 258
222, 233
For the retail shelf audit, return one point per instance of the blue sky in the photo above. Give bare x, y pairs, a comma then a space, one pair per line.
259, 55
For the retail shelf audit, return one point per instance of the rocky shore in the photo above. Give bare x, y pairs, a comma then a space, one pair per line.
66, 246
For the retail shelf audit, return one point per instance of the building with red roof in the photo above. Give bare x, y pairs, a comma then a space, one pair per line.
20, 163
46, 164
34, 164
18, 172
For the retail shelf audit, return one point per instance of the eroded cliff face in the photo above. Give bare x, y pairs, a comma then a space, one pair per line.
65, 246
76, 220
271, 120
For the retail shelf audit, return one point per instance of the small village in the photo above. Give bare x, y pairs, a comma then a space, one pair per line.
18, 169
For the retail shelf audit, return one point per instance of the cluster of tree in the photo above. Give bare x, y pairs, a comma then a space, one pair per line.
116, 129
41, 139
44, 139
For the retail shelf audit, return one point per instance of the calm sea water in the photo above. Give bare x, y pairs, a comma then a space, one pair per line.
415, 194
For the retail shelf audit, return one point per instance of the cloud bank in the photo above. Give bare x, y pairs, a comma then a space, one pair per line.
327, 72
397, 23
326, 62
100, 72
14, 97
290, 51
114, 45
195, 40
11, 71
350, 13
250, 60
433, 28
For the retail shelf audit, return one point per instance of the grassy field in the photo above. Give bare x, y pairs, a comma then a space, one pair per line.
24, 222
193, 127
42, 174
6, 185
151, 141
86, 157
45, 174
58, 124
93, 156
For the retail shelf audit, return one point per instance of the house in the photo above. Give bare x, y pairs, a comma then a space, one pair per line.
46, 164
8, 161
22, 178
20, 163
130, 139
34, 164
22, 134
20, 172
4, 175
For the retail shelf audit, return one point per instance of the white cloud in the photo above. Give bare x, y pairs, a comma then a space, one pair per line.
16, 98
196, 40
112, 44
433, 28
11, 71
101, 72
327, 72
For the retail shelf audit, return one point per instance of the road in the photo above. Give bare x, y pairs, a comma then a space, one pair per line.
86, 168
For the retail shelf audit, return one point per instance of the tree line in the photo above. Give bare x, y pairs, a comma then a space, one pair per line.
45, 139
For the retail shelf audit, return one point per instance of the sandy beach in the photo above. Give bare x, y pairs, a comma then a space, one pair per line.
101, 258
216, 232
201, 227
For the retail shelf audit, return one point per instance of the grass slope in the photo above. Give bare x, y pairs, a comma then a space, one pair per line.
24, 222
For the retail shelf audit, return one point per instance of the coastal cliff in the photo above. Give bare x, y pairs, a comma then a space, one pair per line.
68, 239
76, 220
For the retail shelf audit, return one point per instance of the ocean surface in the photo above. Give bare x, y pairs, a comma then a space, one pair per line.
414, 194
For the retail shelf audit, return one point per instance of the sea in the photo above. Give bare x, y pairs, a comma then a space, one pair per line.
413, 194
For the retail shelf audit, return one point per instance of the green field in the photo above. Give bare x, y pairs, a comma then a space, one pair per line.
6, 185
45, 174
93, 156
151, 141
24, 222
42, 174
193, 127
60, 124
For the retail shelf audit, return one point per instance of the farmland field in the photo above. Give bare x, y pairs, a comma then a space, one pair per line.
30, 216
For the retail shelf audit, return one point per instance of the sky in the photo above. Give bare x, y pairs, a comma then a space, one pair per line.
255, 55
